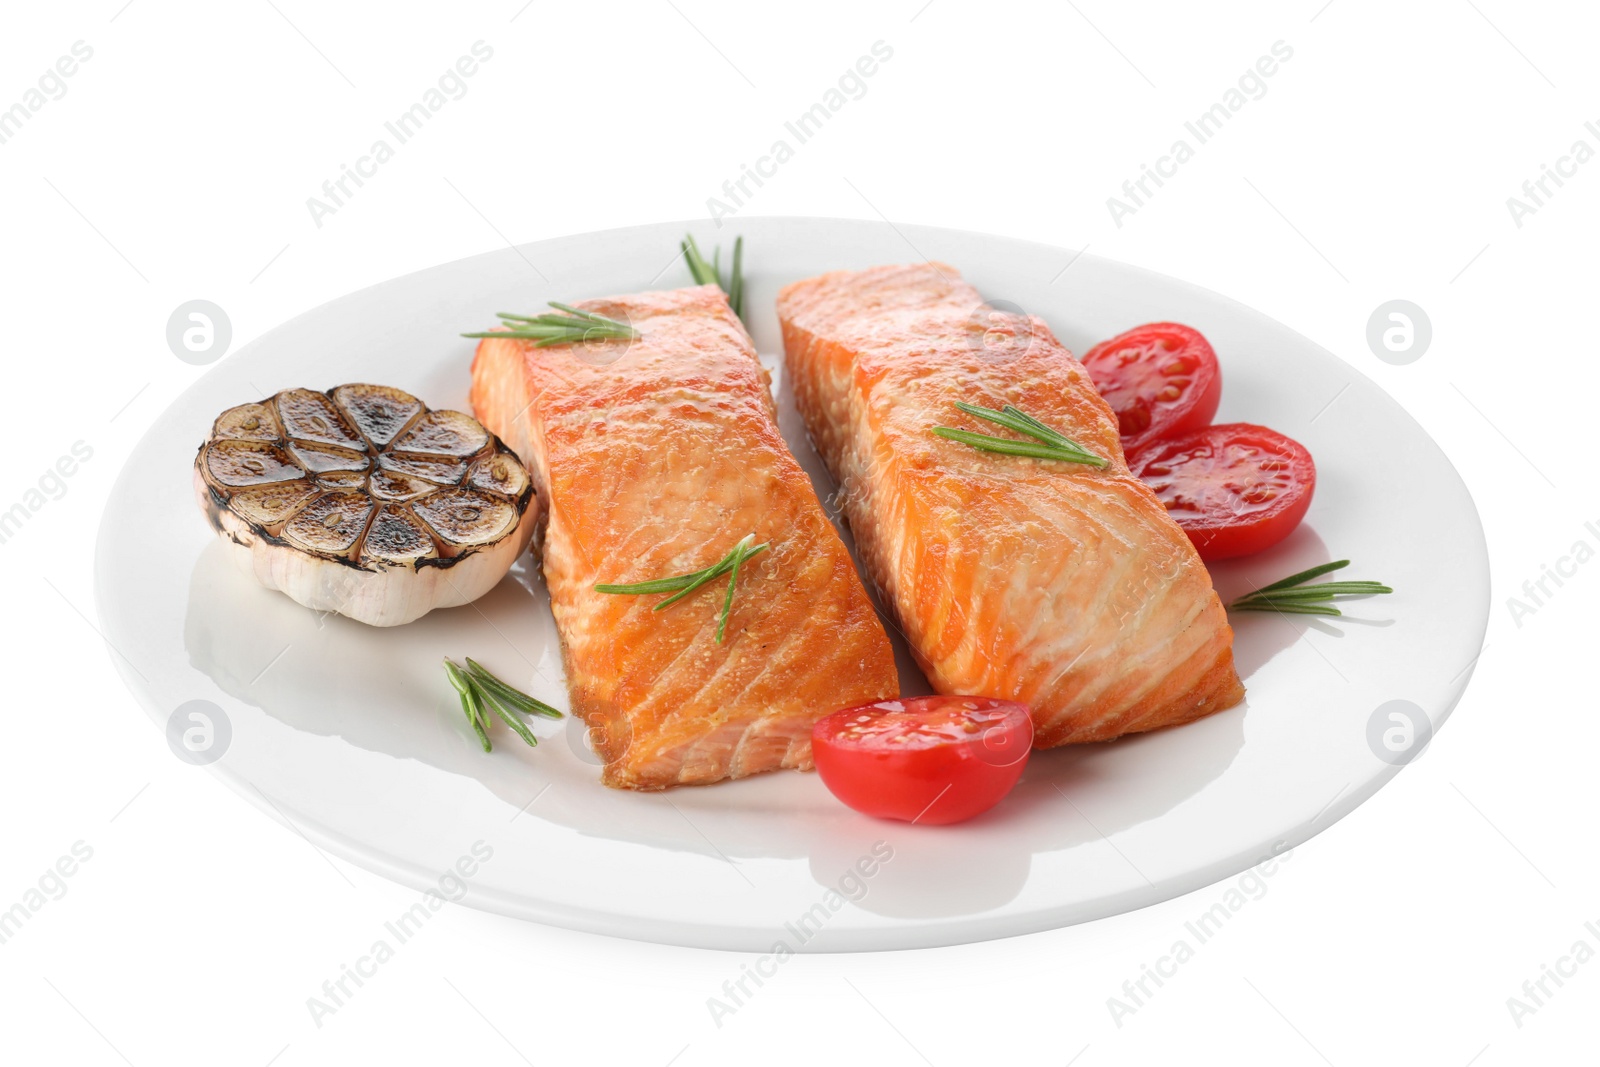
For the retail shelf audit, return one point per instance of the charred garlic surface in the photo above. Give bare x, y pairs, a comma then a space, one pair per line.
363, 501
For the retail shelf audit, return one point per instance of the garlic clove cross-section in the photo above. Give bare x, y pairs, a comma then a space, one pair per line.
362, 501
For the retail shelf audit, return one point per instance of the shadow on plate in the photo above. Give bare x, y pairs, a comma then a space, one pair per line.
1258, 636
379, 689
382, 690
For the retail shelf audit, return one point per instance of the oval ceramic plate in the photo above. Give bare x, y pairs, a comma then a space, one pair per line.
352, 735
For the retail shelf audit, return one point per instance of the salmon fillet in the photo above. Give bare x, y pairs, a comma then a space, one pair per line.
1061, 585
654, 457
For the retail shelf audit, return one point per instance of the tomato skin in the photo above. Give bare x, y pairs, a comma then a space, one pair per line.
1235, 488
930, 760
1162, 379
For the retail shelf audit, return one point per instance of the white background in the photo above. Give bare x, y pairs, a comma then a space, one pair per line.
1377, 166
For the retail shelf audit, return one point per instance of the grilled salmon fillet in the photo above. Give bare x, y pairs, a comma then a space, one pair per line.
654, 457
1061, 585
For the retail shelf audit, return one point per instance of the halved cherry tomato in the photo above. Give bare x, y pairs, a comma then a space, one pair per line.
1234, 488
931, 760
1162, 379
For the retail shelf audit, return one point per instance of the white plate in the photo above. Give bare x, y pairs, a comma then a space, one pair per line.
353, 736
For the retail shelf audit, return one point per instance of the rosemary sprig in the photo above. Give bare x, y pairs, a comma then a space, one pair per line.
1046, 443
1292, 596
684, 584
573, 324
705, 273
481, 693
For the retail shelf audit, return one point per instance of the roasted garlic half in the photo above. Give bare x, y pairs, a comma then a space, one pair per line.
362, 501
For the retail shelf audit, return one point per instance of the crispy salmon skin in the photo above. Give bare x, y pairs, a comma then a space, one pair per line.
654, 458
1061, 585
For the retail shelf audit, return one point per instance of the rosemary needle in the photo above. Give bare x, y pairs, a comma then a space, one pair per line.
736, 278
508, 716
727, 601
1292, 596
705, 273
1304, 576
1046, 444
570, 325
683, 584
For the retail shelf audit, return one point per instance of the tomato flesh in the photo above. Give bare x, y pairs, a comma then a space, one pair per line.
931, 760
1234, 488
1161, 379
